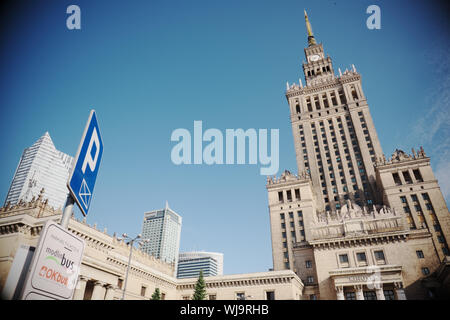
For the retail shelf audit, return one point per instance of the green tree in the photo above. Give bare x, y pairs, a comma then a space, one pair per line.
200, 288
156, 294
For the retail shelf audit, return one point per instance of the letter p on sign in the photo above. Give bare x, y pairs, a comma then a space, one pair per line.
88, 157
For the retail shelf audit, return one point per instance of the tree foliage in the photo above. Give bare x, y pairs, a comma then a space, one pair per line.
200, 288
156, 294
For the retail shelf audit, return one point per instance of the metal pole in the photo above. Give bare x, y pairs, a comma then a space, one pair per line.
128, 269
68, 209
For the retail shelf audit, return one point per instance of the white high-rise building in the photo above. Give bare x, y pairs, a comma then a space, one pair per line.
41, 166
190, 264
163, 229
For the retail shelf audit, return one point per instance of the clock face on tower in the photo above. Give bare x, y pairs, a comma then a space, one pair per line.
314, 57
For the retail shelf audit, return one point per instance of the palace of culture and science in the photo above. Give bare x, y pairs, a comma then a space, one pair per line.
354, 224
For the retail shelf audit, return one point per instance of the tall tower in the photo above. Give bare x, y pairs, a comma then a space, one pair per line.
351, 211
41, 166
163, 229
334, 135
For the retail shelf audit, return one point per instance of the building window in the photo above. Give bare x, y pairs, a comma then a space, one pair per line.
300, 214
370, 295
289, 196
212, 297
425, 271
308, 264
361, 257
312, 297
270, 295
240, 296
417, 175
280, 196
350, 296
163, 296
310, 279
343, 260
420, 254
379, 256
120, 283
297, 194
143, 289
397, 180
389, 294
407, 177
282, 216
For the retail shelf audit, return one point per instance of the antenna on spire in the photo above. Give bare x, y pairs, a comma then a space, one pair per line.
311, 39
287, 85
167, 205
300, 82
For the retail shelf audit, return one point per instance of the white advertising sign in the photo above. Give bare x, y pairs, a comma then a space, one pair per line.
56, 264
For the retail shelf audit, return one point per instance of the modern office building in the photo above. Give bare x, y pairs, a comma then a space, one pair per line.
190, 264
41, 167
163, 229
353, 224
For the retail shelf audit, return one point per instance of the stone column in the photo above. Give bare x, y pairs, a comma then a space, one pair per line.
379, 291
110, 291
80, 288
340, 292
359, 292
399, 291
99, 291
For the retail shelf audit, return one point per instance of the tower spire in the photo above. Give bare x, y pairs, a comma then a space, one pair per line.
311, 39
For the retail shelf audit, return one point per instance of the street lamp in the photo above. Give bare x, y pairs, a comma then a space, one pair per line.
131, 242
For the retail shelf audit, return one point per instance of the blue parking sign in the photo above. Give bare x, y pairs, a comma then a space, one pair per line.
84, 172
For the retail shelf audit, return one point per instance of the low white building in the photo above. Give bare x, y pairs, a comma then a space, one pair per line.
105, 262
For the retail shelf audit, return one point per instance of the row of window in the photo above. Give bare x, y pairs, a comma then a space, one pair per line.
288, 195
370, 295
318, 71
407, 177
324, 101
420, 216
362, 173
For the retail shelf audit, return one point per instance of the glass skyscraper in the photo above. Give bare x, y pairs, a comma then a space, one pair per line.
163, 229
41, 166
190, 264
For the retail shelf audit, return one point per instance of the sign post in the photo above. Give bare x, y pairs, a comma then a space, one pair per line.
84, 173
56, 263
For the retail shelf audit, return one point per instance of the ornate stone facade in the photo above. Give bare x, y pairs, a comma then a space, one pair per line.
354, 225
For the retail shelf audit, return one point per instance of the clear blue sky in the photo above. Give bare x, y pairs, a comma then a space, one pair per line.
150, 67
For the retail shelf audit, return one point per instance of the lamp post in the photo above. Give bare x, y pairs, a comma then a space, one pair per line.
130, 242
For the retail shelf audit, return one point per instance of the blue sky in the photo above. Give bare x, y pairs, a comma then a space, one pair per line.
150, 67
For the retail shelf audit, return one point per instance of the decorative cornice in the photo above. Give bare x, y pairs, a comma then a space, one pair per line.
287, 177
400, 157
